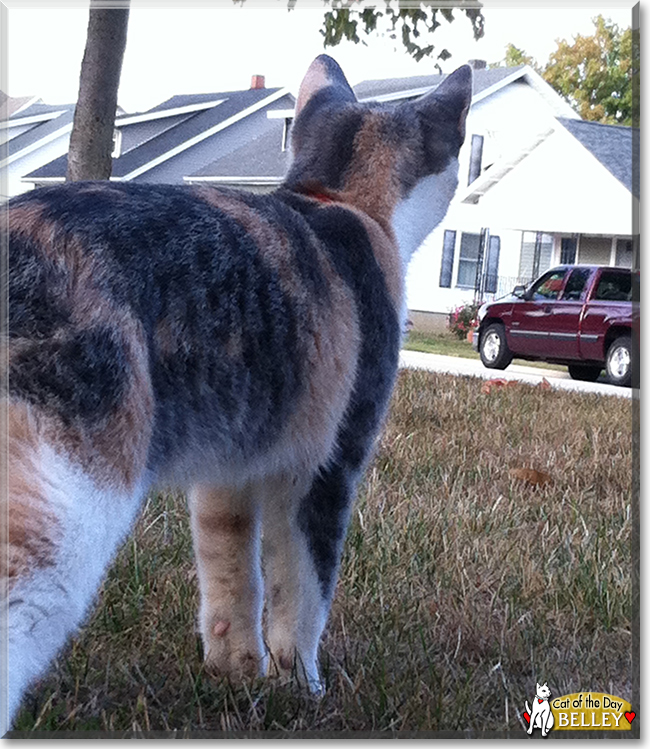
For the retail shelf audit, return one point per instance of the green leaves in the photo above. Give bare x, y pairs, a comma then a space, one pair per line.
596, 74
413, 25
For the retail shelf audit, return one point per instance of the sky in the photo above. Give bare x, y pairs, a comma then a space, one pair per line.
181, 48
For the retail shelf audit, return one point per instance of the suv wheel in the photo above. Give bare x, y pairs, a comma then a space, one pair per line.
584, 372
619, 361
494, 350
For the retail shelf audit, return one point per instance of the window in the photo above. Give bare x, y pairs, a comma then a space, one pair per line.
614, 286
568, 252
536, 254
447, 263
288, 121
576, 284
117, 144
624, 253
468, 260
549, 286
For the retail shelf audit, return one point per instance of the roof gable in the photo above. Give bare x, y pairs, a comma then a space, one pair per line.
261, 159
163, 138
485, 82
612, 145
411, 86
40, 133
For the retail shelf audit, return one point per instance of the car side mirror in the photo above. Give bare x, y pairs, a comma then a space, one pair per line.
519, 292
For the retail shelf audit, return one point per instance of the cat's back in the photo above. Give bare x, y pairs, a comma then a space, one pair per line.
250, 310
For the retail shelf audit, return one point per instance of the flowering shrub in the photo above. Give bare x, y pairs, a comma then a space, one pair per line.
462, 319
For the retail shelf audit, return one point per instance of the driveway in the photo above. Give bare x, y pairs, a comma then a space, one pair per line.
532, 375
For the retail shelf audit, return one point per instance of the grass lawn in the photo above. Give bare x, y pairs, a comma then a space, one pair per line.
460, 586
447, 344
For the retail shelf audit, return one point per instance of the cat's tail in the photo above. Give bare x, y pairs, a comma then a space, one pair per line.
63, 528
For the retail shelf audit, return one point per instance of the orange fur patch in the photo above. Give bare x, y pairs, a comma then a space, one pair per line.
388, 256
28, 220
329, 329
32, 529
373, 185
115, 452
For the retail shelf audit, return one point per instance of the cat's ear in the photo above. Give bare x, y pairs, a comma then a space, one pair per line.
324, 72
454, 95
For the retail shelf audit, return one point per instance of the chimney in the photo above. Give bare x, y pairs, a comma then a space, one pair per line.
477, 64
257, 81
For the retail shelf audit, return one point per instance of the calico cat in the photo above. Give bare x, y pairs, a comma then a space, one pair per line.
241, 346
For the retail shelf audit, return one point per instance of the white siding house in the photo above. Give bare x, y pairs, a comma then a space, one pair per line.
537, 185
551, 188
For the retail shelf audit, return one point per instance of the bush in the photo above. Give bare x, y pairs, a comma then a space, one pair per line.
462, 319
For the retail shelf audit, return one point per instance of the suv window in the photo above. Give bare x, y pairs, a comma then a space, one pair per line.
548, 287
576, 284
614, 286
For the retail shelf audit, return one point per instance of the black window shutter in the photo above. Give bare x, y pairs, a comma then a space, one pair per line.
492, 275
447, 265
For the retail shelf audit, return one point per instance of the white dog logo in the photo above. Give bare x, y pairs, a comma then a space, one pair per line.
541, 716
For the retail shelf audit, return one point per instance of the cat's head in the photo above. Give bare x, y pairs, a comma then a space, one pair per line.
397, 163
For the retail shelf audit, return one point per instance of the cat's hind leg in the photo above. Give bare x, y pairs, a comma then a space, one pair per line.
226, 535
303, 540
296, 613
63, 527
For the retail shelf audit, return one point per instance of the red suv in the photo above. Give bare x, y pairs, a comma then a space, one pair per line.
579, 315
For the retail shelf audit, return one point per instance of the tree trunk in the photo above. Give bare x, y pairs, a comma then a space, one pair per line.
91, 140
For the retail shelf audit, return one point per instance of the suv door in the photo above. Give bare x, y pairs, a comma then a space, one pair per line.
611, 299
566, 313
531, 321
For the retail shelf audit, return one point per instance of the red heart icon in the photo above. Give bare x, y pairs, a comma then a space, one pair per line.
630, 717
527, 717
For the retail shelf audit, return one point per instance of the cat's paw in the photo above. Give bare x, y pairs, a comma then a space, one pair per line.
288, 664
232, 653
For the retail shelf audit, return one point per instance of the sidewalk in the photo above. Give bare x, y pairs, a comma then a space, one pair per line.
532, 375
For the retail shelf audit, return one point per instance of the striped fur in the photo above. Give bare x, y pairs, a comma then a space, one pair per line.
241, 346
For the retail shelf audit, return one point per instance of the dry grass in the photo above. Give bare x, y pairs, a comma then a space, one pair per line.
460, 586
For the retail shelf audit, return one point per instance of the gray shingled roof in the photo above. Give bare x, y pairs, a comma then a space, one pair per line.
482, 79
173, 137
41, 130
186, 100
261, 157
612, 145
40, 108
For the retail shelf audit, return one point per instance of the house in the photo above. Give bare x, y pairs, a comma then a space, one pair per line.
538, 186
258, 164
31, 134
175, 141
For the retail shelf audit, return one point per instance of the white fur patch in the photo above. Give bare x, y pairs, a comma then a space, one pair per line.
296, 621
423, 209
45, 608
